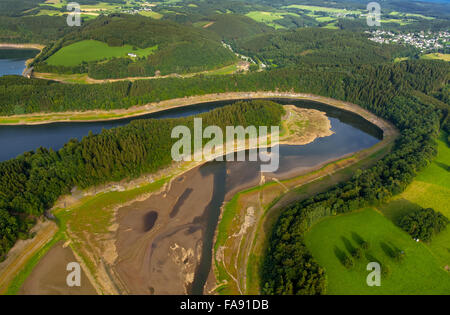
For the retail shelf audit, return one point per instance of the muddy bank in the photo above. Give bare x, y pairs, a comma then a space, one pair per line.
174, 256
49, 275
164, 242
160, 257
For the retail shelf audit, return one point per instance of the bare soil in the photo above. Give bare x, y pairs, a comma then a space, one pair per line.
163, 259
49, 275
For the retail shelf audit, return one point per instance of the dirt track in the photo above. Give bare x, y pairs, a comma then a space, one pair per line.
23, 251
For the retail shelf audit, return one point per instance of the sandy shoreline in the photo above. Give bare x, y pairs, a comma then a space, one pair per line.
155, 107
22, 46
177, 175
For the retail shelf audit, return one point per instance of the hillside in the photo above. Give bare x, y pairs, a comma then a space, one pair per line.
233, 26
162, 47
312, 46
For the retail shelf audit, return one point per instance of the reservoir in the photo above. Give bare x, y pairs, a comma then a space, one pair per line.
177, 227
12, 61
17, 139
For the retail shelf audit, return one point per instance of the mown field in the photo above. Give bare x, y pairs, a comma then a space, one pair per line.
92, 50
436, 56
321, 9
422, 269
269, 18
430, 189
419, 272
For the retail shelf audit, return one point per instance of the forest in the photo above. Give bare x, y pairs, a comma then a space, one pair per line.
31, 183
353, 83
318, 46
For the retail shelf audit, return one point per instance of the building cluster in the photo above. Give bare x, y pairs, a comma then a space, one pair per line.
424, 41
139, 7
136, 11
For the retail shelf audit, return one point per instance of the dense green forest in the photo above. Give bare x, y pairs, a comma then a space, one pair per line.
31, 183
316, 46
18, 95
288, 265
32, 29
14, 7
181, 48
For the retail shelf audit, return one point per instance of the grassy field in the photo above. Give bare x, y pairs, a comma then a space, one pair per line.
430, 189
92, 50
397, 21
422, 270
224, 71
394, 13
437, 56
269, 17
321, 9
152, 14
419, 272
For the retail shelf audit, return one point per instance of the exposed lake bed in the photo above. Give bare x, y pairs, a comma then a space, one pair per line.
164, 243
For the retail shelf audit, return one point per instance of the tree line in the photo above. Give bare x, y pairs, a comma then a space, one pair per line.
353, 83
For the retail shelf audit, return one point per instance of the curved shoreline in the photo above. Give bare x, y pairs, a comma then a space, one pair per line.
24, 46
155, 107
385, 126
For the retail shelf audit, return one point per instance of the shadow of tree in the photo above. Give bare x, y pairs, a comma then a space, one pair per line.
348, 245
340, 254
443, 166
371, 258
397, 209
388, 250
357, 238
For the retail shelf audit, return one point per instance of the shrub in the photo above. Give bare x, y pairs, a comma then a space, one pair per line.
365, 245
357, 254
348, 262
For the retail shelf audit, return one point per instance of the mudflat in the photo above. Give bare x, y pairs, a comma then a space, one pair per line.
159, 240
49, 275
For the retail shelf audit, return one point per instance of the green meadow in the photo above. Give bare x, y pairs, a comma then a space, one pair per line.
430, 189
436, 56
269, 17
422, 269
419, 272
394, 13
321, 9
92, 50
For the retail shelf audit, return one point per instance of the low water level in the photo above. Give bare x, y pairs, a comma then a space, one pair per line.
12, 61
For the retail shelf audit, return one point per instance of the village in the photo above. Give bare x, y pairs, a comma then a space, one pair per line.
424, 41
